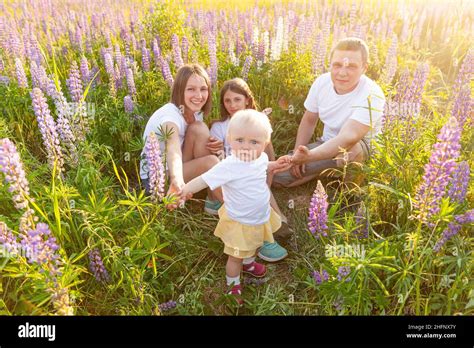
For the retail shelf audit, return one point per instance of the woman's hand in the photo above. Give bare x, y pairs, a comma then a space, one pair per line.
215, 146
175, 191
267, 111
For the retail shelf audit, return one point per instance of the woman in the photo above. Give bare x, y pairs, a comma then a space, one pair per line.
187, 136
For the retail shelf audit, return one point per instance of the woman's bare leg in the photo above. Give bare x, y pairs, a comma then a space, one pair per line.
196, 158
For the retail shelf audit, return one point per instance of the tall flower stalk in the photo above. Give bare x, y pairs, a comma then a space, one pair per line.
48, 130
156, 171
438, 171
318, 217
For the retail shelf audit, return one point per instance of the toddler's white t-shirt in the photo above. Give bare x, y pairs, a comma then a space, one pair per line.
244, 186
335, 109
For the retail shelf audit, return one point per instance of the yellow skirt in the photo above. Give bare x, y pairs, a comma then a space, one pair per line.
242, 240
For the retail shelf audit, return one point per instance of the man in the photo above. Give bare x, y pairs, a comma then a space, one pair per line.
339, 99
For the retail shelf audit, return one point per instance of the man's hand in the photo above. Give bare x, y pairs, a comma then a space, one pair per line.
301, 155
215, 145
298, 159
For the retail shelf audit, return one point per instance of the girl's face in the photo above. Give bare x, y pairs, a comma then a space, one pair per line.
195, 94
234, 102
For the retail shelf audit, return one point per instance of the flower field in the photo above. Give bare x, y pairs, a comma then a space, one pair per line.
78, 235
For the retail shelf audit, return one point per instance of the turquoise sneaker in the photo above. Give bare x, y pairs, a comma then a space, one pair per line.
211, 207
272, 252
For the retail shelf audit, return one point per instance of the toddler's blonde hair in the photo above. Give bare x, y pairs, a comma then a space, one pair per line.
251, 118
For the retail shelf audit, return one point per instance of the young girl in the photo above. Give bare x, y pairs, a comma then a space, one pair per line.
246, 219
235, 95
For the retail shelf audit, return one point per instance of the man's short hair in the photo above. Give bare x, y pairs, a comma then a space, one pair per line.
352, 44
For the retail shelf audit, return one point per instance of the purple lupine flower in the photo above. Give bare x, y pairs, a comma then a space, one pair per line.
462, 106
7, 240
20, 74
362, 230
318, 217
166, 306
134, 42
88, 45
212, 59
118, 77
246, 68
97, 267
38, 76
74, 83
2, 64
4, 80
156, 53
130, 81
178, 60
320, 277
460, 182
117, 54
85, 73
319, 54
128, 104
466, 72
41, 247
109, 65
156, 171
238, 46
185, 48
403, 86
417, 86
145, 59
454, 227
438, 171
12, 167
166, 72
63, 121
390, 62
48, 129
343, 272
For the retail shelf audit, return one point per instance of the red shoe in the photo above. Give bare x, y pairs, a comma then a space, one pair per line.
236, 291
256, 269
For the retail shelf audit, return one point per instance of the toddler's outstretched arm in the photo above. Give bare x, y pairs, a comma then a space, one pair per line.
281, 164
195, 185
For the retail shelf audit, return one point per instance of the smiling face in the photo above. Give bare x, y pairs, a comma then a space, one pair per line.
346, 69
196, 93
234, 102
247, 143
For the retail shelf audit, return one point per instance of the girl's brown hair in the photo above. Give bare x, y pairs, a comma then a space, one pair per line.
238, 86
181, 79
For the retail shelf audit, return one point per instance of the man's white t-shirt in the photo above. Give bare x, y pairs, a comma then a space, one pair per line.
167, 113
219, 131
244, 186
335, 109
